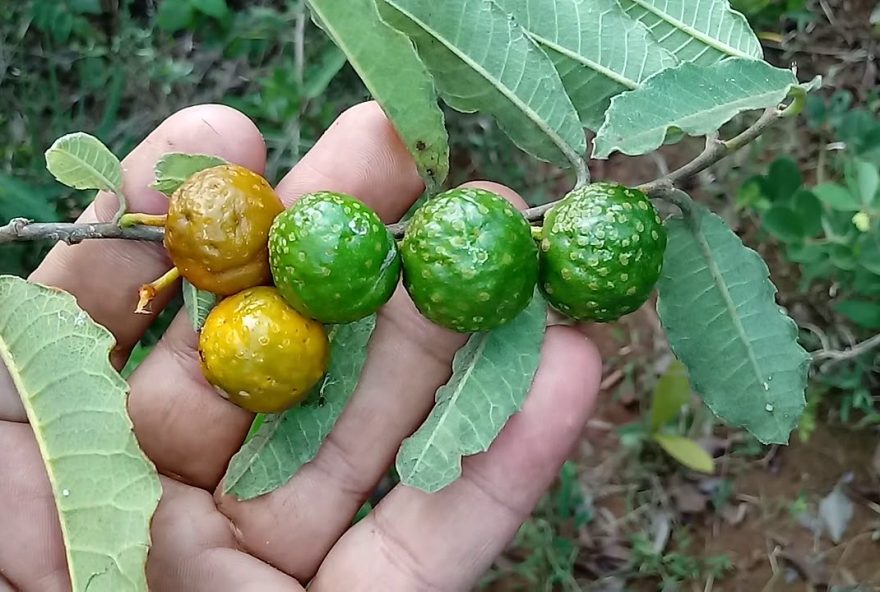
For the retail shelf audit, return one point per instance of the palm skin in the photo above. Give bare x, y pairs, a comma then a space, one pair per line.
302, 533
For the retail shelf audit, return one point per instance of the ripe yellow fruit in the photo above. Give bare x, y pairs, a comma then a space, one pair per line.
260, 353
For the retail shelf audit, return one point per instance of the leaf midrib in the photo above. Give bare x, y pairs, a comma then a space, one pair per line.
459, 387
66, 151
8, 360
560, 143
690, 30
599, 68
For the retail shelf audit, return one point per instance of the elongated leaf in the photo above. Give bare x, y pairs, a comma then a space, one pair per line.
198, 304
105, 489
598, 50
81, 161
694, 99
491, 376
175, 167
287, 441
719, 310
482, 60
687, 452
672, 392
701, 31
391, 69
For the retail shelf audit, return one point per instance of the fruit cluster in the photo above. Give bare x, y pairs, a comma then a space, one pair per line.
470, 262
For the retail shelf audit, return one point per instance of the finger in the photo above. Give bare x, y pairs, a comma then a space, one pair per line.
412, 538
182, 424
105, 275
194, 550
408, 359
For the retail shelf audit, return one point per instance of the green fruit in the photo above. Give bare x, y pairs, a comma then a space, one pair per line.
469, 261
332, 258
601, 252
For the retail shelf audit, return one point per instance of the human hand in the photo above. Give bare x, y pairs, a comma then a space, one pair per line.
302, 532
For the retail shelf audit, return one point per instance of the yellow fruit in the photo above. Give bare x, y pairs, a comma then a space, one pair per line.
260, 353
217, 230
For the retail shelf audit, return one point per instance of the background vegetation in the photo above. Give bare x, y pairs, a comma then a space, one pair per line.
624, 516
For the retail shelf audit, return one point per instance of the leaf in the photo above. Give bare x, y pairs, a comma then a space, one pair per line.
809, 210
198, 304
719, 310
695, 99
105, 489
491, 376
324, 70
836, 511
174, 168
389, 66
837, 197
482, 60
673, 391
81, 161
21, 200
687, 452
287, 441
598, 50
863, 313
700, 31
172, 17
867, 180
214, 8
784, 223
784, 179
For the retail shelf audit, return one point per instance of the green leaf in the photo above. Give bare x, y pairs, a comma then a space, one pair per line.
863, 313
287, 441
673, 391
482, 60
687, 452
784, 223
198, 304
719, 310
21, 200
701, 31
175, 167
784, 179
866, 181
598, 50
81, 161
175, 15
696, 99
105, 489
391, 69
809, 210
837, 197
491, 376
214, 8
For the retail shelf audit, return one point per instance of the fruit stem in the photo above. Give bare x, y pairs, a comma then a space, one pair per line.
127, 220
148, 292
538, 233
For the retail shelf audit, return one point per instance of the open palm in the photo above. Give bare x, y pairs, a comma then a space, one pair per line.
300, 534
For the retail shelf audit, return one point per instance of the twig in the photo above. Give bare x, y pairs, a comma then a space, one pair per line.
848, 354
22, 229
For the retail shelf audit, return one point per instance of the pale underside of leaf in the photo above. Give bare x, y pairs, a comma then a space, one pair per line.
491, 376
175, 167
718, 306
598, 50
287, 441
198, 304
694, 99
482, 60
392, 71
81, 161
700, 31
105, 489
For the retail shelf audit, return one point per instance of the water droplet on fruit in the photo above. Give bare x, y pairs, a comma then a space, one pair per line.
769, 407
65, 492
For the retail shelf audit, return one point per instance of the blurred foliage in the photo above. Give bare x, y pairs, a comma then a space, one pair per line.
830, 230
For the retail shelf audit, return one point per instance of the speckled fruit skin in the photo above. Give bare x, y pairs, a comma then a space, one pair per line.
260, 353
332, 258
601, 252
218, 228
469, 261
